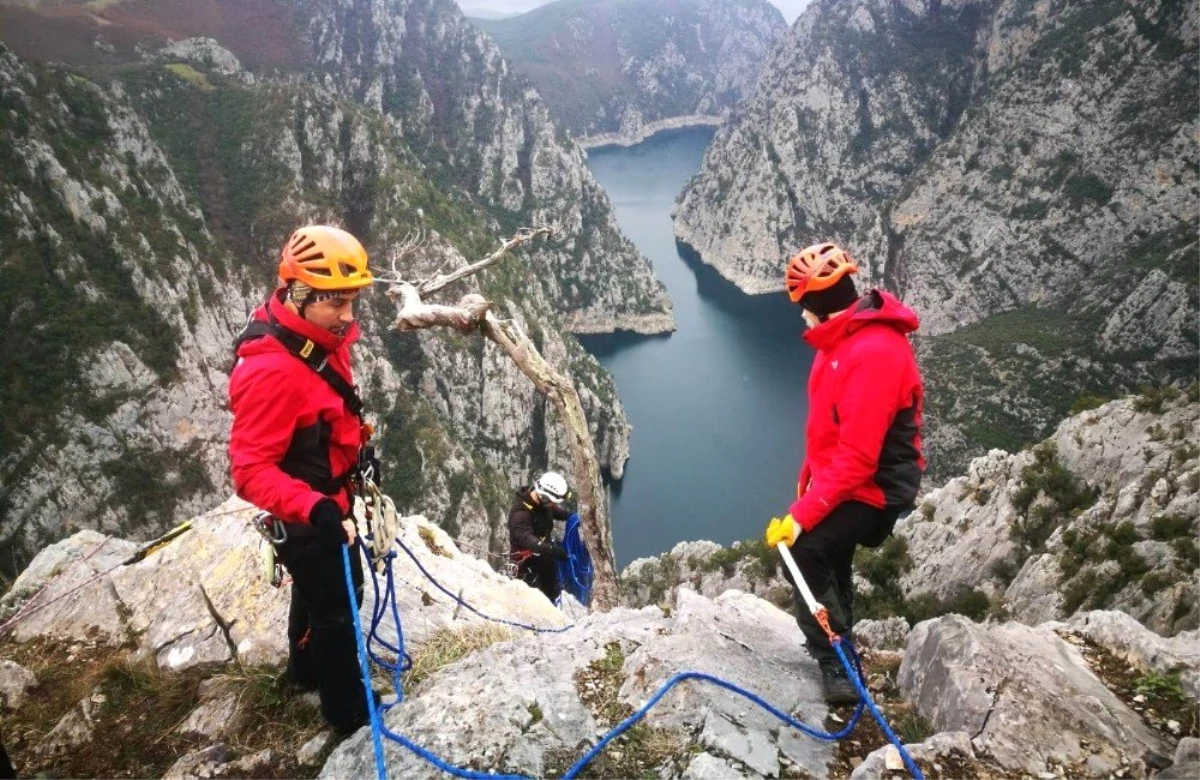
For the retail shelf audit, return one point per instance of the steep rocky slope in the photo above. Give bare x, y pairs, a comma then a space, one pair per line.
177, 654
1022, 172
617, 71
1104, 514
148, 185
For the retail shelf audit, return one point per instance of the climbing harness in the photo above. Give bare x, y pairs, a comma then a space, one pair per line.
512, 569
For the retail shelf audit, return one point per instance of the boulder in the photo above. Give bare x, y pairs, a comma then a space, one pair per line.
1028, 698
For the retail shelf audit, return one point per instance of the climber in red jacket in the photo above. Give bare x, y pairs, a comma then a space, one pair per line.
863, 460
294, 446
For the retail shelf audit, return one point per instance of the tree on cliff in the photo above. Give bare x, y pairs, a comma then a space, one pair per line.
473, 313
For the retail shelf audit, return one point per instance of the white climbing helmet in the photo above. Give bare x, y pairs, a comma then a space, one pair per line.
552, 485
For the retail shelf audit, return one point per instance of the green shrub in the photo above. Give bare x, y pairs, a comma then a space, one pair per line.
1032, 210
1164, 528
1153, 583
1167, 686
1066, 494
882, 567
1154, 399
1088, 187
1086, 403
968, 602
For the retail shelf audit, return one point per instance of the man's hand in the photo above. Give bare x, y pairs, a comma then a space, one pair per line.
332, 526
782, 529
555, 550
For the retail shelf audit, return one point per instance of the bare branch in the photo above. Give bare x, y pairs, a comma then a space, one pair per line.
473, 312
413, 242
430, 286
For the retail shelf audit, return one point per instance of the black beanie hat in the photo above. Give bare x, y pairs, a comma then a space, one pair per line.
839, 297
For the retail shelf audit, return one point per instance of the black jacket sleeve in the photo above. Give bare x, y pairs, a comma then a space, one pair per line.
520, 531
561, 513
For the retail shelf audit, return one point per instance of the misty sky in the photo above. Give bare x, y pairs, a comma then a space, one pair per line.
790, 8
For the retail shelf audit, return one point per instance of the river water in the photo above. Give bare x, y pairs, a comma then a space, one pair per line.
718, 407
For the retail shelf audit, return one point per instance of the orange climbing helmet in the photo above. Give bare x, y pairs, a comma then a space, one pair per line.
324, 258
817, 267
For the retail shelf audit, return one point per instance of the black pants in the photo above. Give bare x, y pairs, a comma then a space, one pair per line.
541, 572
322, 650
6, 767
824, 557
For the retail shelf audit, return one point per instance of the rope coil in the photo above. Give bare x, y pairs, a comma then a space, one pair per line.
846, 653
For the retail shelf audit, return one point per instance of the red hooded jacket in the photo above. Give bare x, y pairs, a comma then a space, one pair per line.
864, 412
293, 441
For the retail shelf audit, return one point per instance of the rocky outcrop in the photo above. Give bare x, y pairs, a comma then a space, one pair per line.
615, 72
1022, 173
706, 568
632, 137
202, 598
1005, 698
1027, 697
1102, 515
142, 211
561, 679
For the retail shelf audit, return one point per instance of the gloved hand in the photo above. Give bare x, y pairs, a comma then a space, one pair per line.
326, 517
782, 529
555, 550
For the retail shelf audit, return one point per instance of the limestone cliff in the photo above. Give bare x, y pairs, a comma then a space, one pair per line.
151, 176
617, 71
1022, 172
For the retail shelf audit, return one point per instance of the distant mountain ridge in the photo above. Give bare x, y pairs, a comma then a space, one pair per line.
615, 71
1023, 173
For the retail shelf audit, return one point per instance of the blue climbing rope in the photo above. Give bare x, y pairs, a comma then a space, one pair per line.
440, 587
850, 660
576, 573
403, 660
865, 697
380, 769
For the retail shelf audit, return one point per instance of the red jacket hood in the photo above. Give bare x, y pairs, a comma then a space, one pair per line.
876, 306
330, 342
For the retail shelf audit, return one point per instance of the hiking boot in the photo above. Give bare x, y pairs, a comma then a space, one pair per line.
363, 719
838, 687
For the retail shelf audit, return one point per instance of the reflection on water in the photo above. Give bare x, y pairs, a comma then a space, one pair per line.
718, 406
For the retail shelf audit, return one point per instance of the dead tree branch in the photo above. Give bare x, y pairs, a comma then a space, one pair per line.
473, 312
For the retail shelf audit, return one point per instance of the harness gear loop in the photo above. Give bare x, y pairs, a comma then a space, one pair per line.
270, 527
274, 531
515, 559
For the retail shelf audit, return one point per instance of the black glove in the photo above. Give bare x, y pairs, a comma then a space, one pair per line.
326, 517
555, 550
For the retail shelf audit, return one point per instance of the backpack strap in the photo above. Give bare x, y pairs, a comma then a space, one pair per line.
312, 355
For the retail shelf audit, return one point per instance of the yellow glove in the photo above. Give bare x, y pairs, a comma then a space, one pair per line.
782, 529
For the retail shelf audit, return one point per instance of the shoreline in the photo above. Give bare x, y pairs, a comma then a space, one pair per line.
646, 132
